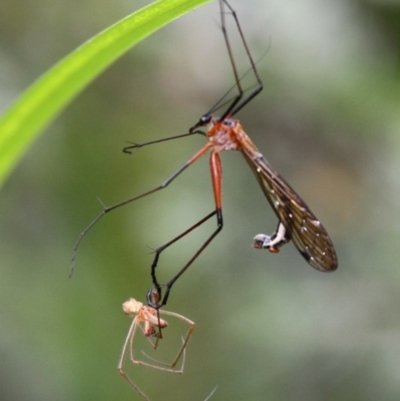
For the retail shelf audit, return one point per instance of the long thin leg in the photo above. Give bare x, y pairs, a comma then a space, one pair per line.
185, 340
216, 177
211, 394
127, 149
157, 286
166, 367
236, 105
191, 325
107, 209
131, 334
170, 283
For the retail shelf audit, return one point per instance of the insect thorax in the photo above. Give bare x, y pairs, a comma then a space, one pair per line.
225, 135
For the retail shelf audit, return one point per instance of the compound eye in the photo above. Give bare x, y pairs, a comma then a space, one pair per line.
205, 119
228, 122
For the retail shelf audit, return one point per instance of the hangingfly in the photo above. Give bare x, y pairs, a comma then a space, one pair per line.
296, 221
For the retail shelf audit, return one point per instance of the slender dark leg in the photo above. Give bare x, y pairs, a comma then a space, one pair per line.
216, 179
107, 209
237, 102
157, 286
127, 149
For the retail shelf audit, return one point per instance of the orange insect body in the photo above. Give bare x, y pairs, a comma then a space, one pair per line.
296, 222
226, 135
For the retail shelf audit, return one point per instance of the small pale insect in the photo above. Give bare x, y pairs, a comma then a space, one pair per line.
149, 323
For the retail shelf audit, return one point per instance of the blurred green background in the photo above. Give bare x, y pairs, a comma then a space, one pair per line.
269, 327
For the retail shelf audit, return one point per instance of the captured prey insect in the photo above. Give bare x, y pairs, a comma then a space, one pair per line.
296, 221
150, 324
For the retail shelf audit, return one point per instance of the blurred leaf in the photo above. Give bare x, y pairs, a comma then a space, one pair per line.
41, 103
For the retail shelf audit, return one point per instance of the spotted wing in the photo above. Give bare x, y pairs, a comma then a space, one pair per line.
306, 231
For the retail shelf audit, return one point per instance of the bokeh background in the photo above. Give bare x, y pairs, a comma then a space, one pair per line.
269, 327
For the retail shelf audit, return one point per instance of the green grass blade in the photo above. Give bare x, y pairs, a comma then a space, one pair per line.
47, 97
